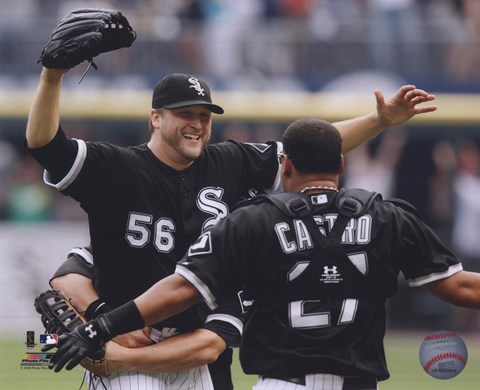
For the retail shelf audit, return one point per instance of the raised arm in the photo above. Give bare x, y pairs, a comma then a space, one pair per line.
44, 115
398, 109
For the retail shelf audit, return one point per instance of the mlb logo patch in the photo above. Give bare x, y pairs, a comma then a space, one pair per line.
49, 338
319, 199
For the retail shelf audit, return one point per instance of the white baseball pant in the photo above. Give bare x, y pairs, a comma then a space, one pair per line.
193, 379
312, 382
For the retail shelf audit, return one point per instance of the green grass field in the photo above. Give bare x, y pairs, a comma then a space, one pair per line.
402, 356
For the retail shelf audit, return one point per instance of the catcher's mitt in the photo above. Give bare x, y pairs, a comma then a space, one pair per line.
56, 313
85, 33
59, 317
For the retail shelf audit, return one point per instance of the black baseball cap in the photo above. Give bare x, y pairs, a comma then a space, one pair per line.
182, 90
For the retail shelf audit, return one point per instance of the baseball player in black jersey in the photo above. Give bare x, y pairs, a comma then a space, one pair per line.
147, 203
319, 264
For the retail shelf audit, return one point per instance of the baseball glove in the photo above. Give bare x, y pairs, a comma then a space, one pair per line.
58, 316
84, 34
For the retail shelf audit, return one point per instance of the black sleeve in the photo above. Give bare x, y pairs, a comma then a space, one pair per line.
262, 164
227, 322
267, 172
58, 156
225, 330
421, 255
407, 206
257, 164
79, 261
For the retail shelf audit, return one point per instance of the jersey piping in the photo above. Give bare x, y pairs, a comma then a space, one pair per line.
74, 170
452, 270
82, 252
238, 324
202, 288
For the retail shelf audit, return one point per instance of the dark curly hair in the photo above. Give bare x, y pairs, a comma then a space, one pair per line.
313, 145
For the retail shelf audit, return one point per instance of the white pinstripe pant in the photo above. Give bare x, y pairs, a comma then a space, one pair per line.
312, 382
193, 379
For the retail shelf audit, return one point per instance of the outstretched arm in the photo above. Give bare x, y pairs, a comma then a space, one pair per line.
461, 289
181, 352
166, 298
44, 115
401, 107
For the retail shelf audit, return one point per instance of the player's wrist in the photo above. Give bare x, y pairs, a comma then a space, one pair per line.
123, 319
103, 326
52, 75
96, 308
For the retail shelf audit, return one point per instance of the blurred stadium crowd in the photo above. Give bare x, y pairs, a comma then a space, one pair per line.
264, 44
272, 45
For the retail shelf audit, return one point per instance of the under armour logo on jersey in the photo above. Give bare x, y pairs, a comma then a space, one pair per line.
91, 333
331, 275
330, 270
202, 246
196, 85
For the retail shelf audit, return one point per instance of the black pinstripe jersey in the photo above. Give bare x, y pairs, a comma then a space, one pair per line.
315, 310
143, 214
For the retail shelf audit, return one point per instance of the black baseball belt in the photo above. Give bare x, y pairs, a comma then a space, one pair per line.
349, 382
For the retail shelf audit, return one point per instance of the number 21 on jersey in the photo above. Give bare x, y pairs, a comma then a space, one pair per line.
302, 318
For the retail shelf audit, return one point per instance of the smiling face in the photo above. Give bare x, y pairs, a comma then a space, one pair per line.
180, 134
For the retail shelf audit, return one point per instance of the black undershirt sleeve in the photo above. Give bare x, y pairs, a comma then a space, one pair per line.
74, 264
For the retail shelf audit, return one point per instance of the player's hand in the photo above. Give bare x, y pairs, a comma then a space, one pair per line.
136, 339
402, 106
85, 340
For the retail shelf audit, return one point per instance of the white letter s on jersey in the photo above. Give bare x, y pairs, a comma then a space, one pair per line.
209, 201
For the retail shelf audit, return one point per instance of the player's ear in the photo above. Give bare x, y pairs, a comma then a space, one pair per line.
287, 166
155, 119
154, 115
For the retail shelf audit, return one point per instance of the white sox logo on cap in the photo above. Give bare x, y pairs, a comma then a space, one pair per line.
196, 85
182, 90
